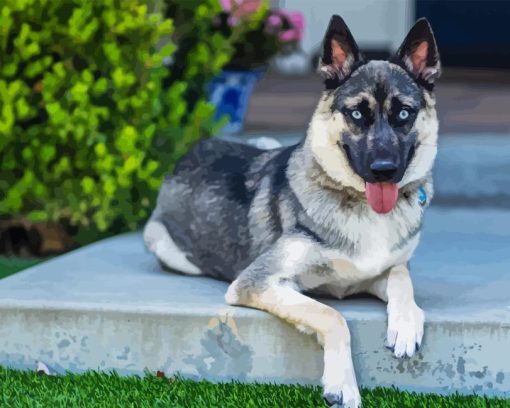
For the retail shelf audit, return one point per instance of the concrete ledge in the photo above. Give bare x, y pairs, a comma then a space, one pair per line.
110, 306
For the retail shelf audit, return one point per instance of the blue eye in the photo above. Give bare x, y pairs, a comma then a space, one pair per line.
403, 114
356, 114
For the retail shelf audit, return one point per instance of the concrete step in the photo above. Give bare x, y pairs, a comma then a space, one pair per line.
110, 306
470, 170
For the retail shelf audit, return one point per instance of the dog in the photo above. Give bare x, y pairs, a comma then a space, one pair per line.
337, 214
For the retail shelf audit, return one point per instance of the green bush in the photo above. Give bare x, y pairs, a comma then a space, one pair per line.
90, 116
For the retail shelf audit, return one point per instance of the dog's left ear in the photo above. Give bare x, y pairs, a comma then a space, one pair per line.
419, 52
340, 53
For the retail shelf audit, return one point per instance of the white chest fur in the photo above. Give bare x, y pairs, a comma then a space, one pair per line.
381, 241
363, 244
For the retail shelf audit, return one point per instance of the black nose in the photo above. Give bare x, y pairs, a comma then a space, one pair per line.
383, 169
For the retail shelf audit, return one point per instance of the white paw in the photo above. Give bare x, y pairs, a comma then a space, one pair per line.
158, 240
232, 297
340, 386
405, 329
345, 396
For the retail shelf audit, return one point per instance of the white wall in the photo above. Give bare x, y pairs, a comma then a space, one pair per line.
375, 24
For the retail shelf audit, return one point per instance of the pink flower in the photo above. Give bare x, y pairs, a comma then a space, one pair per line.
248, 7
226, 5
274, 21
239, 9
289, 35
232, 21
297, 23
273, 24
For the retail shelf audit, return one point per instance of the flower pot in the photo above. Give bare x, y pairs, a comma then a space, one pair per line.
230, 92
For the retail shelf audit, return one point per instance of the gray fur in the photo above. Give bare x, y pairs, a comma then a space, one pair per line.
237, 209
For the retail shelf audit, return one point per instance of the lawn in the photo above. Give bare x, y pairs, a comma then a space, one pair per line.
28, 389
10, 265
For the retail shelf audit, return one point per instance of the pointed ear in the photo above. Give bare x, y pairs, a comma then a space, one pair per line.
419, 52
340, 53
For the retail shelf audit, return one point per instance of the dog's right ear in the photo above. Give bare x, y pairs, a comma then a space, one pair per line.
340, 53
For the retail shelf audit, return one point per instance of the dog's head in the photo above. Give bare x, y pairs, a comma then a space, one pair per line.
375, 129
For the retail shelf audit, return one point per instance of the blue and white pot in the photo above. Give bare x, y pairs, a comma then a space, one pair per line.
230, 92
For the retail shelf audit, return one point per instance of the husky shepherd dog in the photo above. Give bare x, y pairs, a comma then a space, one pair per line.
337, 214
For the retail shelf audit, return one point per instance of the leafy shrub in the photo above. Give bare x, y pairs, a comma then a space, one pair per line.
90, 116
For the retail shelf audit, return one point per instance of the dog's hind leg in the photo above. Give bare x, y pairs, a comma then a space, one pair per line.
159, 241
405, 318
274, 293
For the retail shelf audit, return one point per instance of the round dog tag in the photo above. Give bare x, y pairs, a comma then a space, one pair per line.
422, 196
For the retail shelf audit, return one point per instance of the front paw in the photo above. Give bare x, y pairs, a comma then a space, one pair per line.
344, 396
340, 387
405, 329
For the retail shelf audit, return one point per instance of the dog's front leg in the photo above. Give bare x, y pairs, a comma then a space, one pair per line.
276, 293
405, 318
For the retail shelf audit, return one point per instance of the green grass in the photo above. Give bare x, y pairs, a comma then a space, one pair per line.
10, 265
28, 389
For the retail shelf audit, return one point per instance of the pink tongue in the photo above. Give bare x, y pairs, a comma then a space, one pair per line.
382, 197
